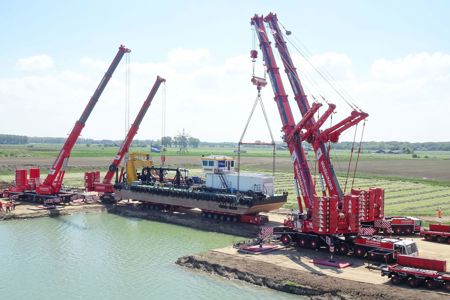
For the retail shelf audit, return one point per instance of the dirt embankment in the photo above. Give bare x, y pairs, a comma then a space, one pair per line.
189, 218
29, 211
312, 285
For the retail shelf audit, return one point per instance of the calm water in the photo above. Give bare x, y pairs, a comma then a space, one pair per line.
102, 256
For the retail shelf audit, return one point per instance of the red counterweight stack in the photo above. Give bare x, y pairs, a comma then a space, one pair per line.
21, 180
325, 215
351, 210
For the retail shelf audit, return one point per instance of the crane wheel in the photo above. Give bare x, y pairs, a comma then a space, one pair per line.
285, 239
373, 256
314, 244
342, 249
359, 252
396, 280
398, 230
302, 242
408, 231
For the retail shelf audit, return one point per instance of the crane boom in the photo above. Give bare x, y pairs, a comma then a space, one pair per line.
53, 181
314, 135
292, 137
106, 186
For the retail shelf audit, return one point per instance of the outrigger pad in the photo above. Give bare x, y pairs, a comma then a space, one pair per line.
256, 249
331, 263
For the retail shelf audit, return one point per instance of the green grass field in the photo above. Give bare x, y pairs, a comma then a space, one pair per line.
338, 156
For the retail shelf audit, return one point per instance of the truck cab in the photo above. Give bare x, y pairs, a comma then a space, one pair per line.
406, 247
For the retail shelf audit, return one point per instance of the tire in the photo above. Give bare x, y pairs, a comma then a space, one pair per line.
359, 252
314, 244
285, 239
441, 239
428, 237
447, 286
398, 230
302, 242
431, 284
413, 282
408, 230
373, 256
396, 280
342, 249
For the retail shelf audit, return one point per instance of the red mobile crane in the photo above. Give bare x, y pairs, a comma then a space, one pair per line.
372, 201
92, 182
51, 186
302, 173
335, 215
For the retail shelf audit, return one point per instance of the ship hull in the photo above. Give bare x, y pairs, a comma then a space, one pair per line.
190, 200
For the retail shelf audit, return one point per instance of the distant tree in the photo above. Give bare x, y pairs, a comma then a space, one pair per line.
193, 142
13, 139
166, 141
182, 141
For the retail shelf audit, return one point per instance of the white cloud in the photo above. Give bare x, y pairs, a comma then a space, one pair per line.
425, 66
211, 99
94, 63
35, 63
188, 57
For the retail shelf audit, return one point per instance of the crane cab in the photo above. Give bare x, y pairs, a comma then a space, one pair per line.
218, 164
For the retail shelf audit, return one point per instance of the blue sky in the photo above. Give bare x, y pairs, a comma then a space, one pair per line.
365, 37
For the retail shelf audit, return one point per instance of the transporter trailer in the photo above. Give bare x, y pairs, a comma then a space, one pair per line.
437, 232
417, 271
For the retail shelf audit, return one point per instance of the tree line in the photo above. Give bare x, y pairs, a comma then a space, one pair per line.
183, 141
12, 139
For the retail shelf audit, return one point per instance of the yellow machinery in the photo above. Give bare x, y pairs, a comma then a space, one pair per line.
135, 163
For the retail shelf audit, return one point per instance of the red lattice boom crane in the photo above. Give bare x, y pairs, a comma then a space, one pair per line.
51, 186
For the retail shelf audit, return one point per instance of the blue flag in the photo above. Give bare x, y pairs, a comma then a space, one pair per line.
156, 149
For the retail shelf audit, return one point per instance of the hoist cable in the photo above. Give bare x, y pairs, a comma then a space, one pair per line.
338, 90
325, 71
350, 159
163, 124
127, 93
359, 152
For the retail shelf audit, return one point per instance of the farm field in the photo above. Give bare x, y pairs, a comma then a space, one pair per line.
413, 186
